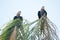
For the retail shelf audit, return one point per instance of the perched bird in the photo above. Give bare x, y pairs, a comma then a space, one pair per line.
42, 12
18, 16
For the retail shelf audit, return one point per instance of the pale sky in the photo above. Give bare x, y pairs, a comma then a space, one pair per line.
29, 8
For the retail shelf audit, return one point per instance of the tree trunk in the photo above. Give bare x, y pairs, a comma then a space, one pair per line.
13, 35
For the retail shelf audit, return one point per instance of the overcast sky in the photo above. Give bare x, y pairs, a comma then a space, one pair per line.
29, 8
